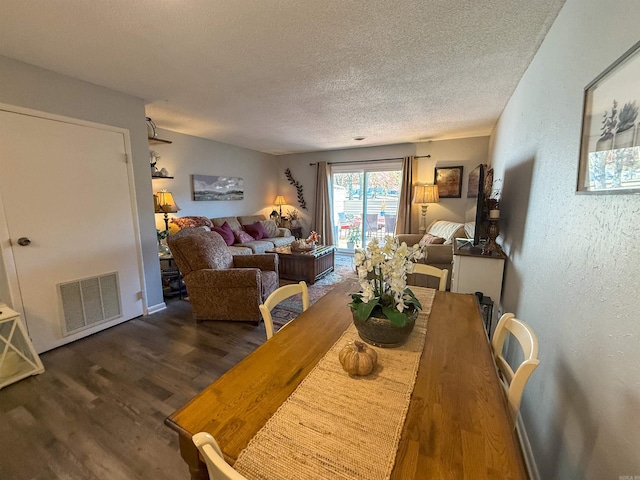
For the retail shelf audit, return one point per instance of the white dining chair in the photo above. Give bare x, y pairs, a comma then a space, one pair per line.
278, 296
217, 467
514, 382
430, 270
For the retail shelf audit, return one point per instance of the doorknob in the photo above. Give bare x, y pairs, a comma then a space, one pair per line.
23, 241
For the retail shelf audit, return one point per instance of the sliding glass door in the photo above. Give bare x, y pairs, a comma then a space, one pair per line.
365, 201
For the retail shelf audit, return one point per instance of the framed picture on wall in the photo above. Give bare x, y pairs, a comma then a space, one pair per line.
449, 181
210, 187
610, 145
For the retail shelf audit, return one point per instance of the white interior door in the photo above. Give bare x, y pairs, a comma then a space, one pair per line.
65, 188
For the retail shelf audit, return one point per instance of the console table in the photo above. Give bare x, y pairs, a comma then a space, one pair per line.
474, 271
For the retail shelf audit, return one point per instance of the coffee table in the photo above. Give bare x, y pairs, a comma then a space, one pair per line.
308, 266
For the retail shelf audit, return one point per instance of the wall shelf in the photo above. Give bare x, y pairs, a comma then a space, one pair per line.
155, 177
157, 141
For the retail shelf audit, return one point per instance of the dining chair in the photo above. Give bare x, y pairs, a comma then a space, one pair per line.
430, 270
390, 224
217, 467
372, 229
346, 222
278, 296
514, 382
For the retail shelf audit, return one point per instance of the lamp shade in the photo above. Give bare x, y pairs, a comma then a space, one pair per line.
280, 200
425, 194
164, 202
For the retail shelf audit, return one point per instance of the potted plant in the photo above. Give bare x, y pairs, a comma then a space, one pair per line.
385, 310
353, 237
293, 216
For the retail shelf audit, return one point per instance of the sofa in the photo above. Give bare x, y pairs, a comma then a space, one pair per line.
240, 233
277, 237
438, 241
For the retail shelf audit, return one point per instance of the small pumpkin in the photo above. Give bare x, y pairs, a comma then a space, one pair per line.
357, 358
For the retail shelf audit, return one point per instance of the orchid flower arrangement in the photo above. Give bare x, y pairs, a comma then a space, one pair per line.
382, 273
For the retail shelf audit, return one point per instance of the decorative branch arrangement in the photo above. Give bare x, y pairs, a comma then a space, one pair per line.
298, 186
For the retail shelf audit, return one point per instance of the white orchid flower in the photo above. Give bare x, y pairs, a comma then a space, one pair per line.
383, 267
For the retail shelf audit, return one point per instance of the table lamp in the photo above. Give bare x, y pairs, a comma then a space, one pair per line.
279, 201
423, 195
164, 203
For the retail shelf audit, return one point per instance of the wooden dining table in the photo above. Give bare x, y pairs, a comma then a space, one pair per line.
458, 425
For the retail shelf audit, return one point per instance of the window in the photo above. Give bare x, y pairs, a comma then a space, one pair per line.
365, 201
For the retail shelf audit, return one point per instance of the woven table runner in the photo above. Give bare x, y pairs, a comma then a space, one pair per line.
334, 426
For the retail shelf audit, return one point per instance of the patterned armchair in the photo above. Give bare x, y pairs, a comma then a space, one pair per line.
221, 286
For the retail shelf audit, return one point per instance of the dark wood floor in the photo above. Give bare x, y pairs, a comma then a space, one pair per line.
98, 410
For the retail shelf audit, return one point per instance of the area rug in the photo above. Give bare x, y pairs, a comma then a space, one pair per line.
290, 308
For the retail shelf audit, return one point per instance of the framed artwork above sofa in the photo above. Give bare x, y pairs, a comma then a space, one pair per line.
210, 187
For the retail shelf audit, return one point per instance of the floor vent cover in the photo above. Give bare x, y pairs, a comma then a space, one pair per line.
89, 302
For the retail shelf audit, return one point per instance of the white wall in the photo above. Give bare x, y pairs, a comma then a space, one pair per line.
189, 155
468, 152
573, 259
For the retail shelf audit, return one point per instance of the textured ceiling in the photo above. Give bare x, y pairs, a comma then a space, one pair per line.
283, 76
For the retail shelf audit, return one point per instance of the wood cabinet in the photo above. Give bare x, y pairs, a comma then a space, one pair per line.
474, 272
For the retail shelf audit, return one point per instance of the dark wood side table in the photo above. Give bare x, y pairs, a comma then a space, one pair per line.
296, 232
172, 283
308, 266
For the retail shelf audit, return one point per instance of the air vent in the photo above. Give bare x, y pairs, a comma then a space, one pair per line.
89, 302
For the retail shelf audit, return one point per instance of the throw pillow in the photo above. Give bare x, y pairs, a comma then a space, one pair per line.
243, 237
226, 233
231, 221
429, 239
191, 221
256, 230
270, 228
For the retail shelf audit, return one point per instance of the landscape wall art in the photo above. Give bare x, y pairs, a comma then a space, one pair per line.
208, 188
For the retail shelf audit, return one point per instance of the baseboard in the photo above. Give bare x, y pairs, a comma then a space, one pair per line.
156, 308
527, 452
